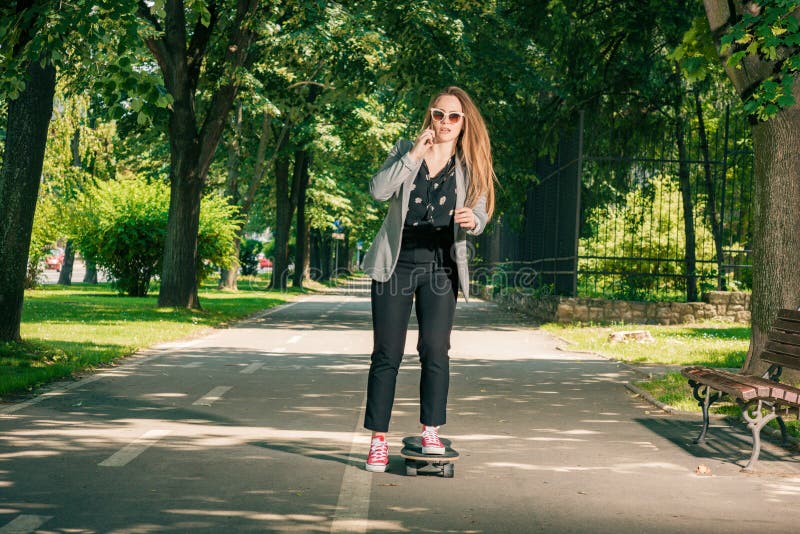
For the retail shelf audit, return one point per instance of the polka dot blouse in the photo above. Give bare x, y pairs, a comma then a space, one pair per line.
432, 201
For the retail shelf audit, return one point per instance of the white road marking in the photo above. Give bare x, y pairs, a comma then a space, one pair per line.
352, 508
279, 349
171, 345
280, 307
294, 339
252, 368
132, 450
212, 396
24, 524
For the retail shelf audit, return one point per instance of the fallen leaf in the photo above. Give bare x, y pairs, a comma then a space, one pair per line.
702, 470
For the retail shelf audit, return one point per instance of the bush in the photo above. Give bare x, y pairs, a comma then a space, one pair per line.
122, 227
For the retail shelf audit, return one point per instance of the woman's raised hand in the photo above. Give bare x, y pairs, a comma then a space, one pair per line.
423, 143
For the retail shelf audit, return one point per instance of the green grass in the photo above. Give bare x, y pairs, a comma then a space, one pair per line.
711, 344
673, 390
68, 329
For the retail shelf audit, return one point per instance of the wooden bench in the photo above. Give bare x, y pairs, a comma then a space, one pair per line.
761, 398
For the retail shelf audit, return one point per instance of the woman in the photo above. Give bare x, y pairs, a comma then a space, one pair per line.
440, 188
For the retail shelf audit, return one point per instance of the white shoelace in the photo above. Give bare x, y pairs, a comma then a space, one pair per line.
431, 434
378, 450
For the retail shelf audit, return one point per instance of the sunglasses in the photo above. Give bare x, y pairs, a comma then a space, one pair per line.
452, 117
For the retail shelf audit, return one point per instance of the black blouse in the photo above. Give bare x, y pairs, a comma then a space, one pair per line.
432, 201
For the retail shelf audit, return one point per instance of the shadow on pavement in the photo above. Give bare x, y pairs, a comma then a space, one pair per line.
730, 444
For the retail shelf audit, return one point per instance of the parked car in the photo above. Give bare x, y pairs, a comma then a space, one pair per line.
54, 259
264, 262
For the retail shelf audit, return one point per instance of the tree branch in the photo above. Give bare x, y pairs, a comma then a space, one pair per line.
156, 46
144, 11
199, 43
235, 56
261, 167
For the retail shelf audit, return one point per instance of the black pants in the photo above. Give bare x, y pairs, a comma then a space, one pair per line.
425, 274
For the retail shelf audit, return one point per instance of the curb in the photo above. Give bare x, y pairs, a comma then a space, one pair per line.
666, 407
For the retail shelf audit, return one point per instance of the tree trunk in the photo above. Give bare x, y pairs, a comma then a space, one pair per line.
301, 164
283, 222
776, 190
65, 276
690, 257
326, 249
315, 269
711, 193
229, 278
179, 270
28, 118
90, 276
776, 218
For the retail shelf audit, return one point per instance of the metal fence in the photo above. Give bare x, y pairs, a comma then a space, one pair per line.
608, 216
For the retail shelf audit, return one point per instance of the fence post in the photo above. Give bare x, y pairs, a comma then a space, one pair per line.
578, 184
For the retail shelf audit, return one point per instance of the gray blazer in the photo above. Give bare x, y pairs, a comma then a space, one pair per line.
392, 183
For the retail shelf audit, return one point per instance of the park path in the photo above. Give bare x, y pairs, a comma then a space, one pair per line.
258, 428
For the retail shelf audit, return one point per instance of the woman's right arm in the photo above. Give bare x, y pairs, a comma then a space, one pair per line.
395, 170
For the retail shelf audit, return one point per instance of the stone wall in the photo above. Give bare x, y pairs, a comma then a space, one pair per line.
719, 305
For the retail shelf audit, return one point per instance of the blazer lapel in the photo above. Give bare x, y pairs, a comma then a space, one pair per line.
460, 191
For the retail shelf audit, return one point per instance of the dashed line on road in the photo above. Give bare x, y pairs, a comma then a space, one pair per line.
130, 451
212, 396
352, 508
172, 345
25, 524
252, 368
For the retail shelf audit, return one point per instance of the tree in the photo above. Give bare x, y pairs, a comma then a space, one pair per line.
184, 51
759, 45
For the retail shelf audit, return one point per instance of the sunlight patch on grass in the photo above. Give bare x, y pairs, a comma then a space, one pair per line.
711, 344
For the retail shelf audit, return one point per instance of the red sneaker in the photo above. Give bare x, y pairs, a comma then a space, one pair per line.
431, 444
378, 457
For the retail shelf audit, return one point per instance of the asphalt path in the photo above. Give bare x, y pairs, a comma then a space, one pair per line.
257, 427
50, 276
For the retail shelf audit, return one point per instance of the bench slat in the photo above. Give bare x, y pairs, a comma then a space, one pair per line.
789, 326
783, 348
784, 337
779, 358
790, 315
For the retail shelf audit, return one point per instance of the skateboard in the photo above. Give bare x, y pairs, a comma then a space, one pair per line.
416, 462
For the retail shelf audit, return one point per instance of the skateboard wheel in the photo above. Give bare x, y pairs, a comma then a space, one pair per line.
411, 468
448, 470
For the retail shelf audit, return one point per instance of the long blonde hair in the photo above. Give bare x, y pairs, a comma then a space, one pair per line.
473, 147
